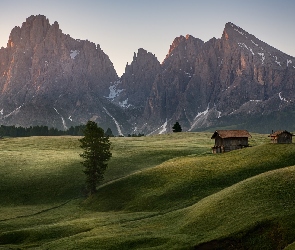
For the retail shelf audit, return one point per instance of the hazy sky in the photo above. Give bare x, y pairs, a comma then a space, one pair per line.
121, 27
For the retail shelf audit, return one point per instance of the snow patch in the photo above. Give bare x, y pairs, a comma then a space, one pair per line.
114, 92
125, 104
188, 74
277, 60
251, 51
262, 57
244, 45
163, 128
232, 112
282, 98
239, 32
64, 123
202, 113
254, 43
219, 114
115, 121
1, 111
13, 112
70, 118
74, 53
62, 119
288, 62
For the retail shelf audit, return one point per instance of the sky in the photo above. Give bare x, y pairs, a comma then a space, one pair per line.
121, 27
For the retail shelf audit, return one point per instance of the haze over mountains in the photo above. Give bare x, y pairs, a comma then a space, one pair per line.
49, 78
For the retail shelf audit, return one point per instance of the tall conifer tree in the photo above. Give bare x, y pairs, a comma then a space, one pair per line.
96, 153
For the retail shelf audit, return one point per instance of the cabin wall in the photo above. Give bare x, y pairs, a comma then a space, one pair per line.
282, 138
218, 141
228, 144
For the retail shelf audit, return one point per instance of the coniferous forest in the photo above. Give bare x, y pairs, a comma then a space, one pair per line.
13, 131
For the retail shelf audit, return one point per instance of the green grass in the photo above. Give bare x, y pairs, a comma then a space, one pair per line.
35, 170
160, 192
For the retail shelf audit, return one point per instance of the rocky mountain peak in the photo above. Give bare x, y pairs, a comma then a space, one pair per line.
51, 76
136, 83
262, 53
175, 44
183, 43
142, 60
33, 30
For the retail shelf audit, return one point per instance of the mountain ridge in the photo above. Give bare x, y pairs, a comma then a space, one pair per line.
49, 78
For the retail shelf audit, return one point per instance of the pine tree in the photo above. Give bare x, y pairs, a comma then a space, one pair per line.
109, 133
96, 153
176, 127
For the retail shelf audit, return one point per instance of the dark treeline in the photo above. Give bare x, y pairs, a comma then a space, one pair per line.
13, 131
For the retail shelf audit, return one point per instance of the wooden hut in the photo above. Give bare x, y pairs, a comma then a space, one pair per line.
281, 136
228, 140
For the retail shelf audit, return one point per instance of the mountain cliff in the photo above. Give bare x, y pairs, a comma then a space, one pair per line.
235, 80
49, 78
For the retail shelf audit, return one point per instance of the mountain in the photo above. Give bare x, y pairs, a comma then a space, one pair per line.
134, 87
236, 80
49, 78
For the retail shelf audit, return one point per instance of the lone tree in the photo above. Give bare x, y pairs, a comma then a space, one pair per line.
96, 153
109, 133
176, 127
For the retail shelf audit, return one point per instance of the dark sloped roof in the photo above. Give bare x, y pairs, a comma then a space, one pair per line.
231, 133
279, 132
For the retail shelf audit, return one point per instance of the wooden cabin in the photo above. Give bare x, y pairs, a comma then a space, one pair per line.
228, 140
281, 136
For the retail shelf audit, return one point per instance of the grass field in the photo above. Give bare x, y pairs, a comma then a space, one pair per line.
160, 192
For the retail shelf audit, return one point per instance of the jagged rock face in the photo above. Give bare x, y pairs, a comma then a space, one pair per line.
132, 90
49, 78
243, 75
237, 75
136, 83
169, 86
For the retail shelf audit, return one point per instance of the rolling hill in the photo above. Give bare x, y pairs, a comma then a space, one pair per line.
160, 192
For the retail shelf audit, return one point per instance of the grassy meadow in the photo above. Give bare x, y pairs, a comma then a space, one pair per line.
160, 192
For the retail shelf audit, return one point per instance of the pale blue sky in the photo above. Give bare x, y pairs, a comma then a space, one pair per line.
123, 26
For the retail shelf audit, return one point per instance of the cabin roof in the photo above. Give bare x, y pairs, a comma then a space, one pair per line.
279, 132
231, 134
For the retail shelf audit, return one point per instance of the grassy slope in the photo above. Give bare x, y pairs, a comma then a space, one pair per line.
201, 199
181, 182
